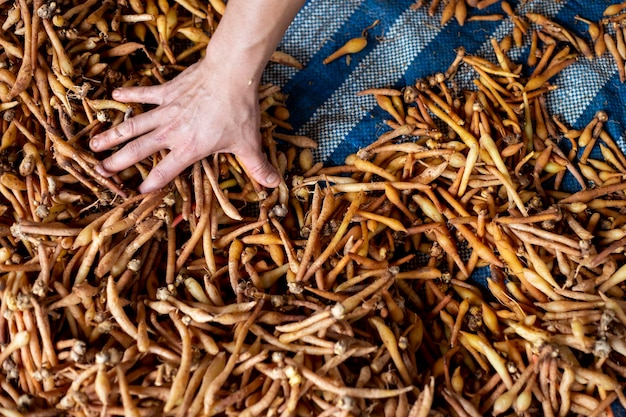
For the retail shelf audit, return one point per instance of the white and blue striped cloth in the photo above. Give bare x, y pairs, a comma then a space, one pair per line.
410, 44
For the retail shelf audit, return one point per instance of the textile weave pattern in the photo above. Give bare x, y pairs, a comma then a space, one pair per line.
409, 44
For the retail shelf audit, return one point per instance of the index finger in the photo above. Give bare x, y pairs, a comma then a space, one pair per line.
131, 128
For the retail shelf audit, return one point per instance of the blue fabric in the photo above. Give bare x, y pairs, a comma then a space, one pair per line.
409, 44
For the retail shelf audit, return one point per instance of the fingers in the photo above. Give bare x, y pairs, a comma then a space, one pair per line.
151, 94
260, 169
133, 127
173, 164
165, 171
132, 153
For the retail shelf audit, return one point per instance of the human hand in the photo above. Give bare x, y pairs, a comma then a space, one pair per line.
200, 112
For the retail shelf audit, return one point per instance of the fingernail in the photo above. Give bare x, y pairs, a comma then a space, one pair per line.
94, 144
272, 178
100, 170
145, 188
116, 94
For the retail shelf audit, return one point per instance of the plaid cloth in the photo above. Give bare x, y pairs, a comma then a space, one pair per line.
409, 44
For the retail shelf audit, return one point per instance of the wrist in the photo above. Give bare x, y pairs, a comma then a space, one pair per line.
239, 65
247, 34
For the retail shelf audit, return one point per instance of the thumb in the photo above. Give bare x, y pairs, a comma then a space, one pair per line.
260, 169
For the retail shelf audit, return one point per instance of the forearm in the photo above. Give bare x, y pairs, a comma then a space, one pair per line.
248, 33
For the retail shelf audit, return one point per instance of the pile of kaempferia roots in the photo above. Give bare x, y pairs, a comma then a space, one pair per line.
342, 292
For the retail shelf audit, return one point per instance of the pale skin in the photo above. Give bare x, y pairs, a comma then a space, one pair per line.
212, 107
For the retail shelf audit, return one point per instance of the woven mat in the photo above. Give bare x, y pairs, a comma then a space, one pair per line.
409, 44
